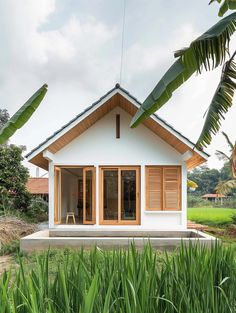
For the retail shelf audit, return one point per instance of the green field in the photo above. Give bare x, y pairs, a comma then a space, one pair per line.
211, 216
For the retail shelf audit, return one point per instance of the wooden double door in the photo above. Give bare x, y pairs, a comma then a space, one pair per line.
119, 195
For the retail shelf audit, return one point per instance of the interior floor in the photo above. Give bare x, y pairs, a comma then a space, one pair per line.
78, 221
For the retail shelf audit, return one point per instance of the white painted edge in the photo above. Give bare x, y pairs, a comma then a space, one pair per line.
45, 235
48, 155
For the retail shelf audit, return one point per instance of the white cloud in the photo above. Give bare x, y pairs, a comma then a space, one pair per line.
140, 60
76, 50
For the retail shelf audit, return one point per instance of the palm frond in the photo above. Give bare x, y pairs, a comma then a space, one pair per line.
226, 5
231, 145
211, 48
225, 187
207, 51
220, 104
222, 156
22, 115
191, 184
177, 74
233, 162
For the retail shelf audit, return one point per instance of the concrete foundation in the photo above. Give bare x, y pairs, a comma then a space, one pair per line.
112, 239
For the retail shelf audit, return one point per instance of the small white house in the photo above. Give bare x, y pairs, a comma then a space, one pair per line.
102, 172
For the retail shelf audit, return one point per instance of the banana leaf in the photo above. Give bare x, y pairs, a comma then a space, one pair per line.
22, 115
226, 5
192, 184
220, 104
208, 51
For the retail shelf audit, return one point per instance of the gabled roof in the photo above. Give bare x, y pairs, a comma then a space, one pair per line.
117, 96
37, 185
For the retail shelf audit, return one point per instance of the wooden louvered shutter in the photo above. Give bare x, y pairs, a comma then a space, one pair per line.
171, 184
154, 188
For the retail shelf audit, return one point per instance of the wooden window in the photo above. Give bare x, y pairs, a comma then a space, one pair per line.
117, 125
171, 188
163, 188
154, 188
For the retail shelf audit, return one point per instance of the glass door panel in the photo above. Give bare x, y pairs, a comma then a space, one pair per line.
128, 195
120, 195
110, 195
89, 195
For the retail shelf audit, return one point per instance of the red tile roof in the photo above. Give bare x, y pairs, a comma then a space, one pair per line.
37, 185
213, 195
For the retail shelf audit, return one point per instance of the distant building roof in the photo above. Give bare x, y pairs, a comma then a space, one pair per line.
37, 185
213, 195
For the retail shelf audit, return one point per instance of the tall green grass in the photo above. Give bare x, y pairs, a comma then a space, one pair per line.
193, 280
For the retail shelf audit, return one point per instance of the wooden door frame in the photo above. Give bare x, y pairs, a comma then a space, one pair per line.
101, 192
57, 195
93, 169
58, 191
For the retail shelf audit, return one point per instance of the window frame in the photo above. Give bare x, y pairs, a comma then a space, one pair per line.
163, 209
101, 191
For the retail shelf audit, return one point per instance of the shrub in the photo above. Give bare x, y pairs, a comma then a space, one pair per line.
6, 202
12, 247
38, 210
197, 202
227, 203
233, 217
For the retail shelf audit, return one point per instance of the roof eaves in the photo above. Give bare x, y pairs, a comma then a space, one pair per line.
70, 122
164, 122
117, 86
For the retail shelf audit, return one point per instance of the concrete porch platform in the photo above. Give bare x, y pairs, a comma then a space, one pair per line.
123, 232
112, 239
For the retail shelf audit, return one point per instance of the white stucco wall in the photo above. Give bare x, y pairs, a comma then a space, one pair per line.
140, 146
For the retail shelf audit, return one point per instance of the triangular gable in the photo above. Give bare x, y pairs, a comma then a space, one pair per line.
115, 97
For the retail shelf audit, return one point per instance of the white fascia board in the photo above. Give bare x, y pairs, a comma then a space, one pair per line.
187, 155
171, 130
48, 155
66, 129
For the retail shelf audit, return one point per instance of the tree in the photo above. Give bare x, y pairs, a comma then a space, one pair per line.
13, 175
4, 117
207, 52
13, 178
205, 178
227, 185
22, 115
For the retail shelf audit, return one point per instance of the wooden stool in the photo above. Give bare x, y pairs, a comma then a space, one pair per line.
68, 215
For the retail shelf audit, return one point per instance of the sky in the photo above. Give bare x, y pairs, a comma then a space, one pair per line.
75, 47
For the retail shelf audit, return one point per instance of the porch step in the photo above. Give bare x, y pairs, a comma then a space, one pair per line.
120, 233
